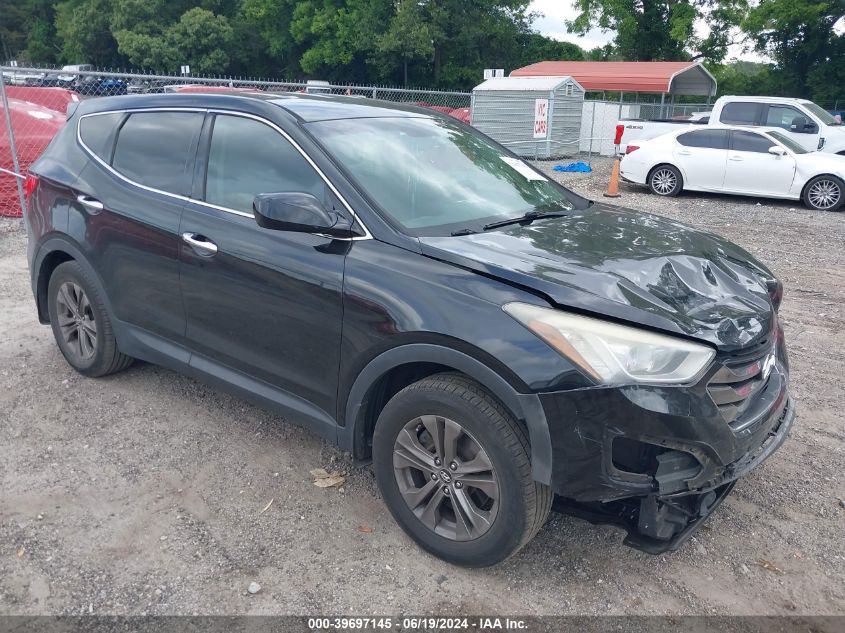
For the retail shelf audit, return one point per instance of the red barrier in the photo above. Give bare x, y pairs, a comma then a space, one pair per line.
34, 127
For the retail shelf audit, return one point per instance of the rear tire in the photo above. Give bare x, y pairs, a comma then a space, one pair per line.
81, 325
666, 180
824, 193
474, 504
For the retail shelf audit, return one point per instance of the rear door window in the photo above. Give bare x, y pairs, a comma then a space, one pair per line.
750, 142
712, 139
156, 149
740, 113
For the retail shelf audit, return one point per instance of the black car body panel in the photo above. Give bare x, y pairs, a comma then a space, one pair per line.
320, 329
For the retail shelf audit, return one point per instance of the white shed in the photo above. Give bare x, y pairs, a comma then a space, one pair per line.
535, 117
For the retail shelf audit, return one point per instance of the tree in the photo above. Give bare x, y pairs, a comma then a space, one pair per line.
409, 37
800, 38
655, 30
537, 48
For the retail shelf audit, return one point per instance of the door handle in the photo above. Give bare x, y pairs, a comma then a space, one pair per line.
200, 243
92, 204
737, 158
685, 153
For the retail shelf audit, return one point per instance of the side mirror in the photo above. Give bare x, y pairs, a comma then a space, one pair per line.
777, 150
299, 212
802, 126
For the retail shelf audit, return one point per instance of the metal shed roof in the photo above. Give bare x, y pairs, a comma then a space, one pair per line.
690, 78
541, 84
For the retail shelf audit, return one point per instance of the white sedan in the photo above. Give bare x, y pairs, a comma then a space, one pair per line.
736, 160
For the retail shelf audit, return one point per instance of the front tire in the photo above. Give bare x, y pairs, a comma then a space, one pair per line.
454, 469
81, 325
666, 180
824, 193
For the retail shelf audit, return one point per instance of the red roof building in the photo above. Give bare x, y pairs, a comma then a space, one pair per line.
673, 78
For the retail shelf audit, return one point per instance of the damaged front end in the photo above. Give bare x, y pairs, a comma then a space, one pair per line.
662, 470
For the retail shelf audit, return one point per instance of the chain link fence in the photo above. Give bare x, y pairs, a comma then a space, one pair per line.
35, 101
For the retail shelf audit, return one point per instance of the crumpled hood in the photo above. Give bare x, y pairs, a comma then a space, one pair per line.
631, 266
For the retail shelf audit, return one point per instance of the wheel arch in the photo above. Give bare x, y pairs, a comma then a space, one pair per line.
51, 254
393, 370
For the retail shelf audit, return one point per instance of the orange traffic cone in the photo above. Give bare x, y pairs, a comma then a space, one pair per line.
613, 185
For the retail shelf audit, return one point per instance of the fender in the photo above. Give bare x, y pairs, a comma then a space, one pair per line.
524, 406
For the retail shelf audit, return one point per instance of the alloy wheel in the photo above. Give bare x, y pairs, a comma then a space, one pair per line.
664, 181
446, 478
824, 194
76, 321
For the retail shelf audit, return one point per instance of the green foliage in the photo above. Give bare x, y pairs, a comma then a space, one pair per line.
436, 43
657, 30
799, 36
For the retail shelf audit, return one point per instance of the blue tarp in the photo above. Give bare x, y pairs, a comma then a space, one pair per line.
577, 167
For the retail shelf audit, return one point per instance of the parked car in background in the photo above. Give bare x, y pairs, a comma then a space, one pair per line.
66, 77
417, 294
146, 86
22, 77
737, 160
806, 123
100, 85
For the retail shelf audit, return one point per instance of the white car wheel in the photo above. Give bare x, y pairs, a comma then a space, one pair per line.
824, 193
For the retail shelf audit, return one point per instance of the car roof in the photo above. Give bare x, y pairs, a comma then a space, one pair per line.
305, 107
746, 98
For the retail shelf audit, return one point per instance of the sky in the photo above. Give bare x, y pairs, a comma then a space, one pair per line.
553, 24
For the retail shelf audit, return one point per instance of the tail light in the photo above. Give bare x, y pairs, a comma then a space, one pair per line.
631, 148
620, 129
30, 185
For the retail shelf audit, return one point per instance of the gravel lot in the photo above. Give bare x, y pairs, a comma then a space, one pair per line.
143, 492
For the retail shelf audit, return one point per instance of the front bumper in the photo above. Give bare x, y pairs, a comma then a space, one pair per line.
658, 460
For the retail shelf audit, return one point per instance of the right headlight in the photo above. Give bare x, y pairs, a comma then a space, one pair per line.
614, 354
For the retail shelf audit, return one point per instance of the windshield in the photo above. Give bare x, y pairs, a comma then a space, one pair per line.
826, 117
784, 140
433, 177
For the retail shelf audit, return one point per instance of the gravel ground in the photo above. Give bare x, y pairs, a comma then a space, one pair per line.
142, 493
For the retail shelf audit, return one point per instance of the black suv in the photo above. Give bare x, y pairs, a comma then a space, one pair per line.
414, 292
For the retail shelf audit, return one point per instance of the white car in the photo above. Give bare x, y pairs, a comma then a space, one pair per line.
736, 160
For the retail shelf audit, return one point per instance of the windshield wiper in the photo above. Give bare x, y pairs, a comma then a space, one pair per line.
463, 232
526, 218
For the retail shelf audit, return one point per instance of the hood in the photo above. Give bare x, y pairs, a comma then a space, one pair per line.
628, 266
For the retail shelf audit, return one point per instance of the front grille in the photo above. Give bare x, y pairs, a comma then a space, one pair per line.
737, 381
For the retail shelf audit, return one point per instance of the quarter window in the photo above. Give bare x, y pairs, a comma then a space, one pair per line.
750, 142
98, 133
247, 158
156, 149
712, 139
740, 113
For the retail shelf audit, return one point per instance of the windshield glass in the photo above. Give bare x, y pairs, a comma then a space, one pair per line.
791, 145
826, 117
432, 177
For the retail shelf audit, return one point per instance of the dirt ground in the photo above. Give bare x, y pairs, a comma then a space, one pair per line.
142, 493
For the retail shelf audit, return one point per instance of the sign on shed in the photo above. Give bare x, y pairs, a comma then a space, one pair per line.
541, 118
